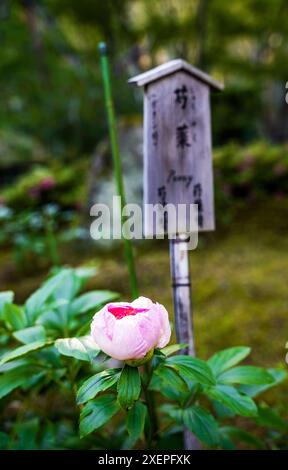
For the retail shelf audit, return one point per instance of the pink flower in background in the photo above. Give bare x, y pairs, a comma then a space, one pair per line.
47, 183
128, 331
247, 163
279, 169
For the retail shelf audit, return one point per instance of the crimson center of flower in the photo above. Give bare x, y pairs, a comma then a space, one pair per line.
121, 311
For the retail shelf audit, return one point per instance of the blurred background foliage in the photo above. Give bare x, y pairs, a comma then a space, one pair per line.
52, 114
53, 123
51, 86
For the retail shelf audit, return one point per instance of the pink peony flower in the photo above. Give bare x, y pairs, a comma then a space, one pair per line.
127, 331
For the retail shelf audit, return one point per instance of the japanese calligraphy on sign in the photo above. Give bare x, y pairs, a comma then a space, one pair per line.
154, 134
177, 139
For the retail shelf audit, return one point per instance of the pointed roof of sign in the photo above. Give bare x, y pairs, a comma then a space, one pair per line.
171, 67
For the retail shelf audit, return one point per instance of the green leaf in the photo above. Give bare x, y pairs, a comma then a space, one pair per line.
270, 418
226, 443
27, 434
21, 351
83, 348
246, 375
36, 301
157, 359
92, 300
56, 304
84, 273
192, 368
255, 390
169, 350
135, 420
202, 424
6, 297
227, 358
232, 399
238, 435
129, 386
15, 378
171, 378
222, 412
166, 390
72, 282
14, 317
69, 286
31, 334
13, 364
53, 320
4, 440
97, 413
97, 383
173, 411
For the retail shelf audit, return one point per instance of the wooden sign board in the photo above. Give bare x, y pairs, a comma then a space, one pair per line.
177, 143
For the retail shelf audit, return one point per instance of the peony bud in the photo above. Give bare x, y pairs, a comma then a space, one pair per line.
129, 331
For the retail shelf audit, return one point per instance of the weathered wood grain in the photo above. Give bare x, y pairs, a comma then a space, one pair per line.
171, 67
177, 148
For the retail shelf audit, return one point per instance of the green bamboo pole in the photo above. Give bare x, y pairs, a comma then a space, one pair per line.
117, 163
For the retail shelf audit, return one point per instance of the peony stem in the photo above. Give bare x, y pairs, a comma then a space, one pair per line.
150, 401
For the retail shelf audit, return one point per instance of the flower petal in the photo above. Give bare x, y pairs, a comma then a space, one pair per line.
165, 333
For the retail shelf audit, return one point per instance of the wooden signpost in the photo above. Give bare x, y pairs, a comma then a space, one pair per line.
178, 169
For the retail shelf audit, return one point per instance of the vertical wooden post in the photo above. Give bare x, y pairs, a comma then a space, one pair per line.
181, 284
